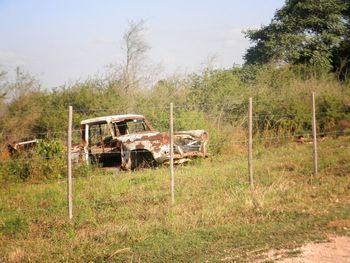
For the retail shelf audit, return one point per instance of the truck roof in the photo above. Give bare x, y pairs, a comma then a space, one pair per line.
111, 118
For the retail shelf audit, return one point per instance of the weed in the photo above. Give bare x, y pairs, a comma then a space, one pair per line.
123, 216
13, 226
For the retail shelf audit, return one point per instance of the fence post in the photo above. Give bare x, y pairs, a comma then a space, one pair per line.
314, 134
250, 142
172, 154
69, 163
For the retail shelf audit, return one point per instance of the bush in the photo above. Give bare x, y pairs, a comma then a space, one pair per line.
213, 100
47, 162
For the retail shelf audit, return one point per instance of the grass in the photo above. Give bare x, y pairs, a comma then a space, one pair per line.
127, 217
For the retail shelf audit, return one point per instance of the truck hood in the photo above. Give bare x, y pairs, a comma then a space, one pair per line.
162, 137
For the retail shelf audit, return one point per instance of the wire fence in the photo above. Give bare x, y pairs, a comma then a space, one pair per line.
93, 141
96, 205
77, 134
82, 205
243, 142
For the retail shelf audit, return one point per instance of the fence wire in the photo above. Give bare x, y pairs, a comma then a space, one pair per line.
233, 112
293, 138
22, 208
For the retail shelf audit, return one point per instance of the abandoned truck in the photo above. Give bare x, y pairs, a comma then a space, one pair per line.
129, 141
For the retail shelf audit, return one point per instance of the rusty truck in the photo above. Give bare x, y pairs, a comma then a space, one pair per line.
129, 141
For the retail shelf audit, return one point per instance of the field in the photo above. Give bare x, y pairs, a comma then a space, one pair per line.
127, 216
289, 86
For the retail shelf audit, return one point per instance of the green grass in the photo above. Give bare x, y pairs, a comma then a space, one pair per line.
127, 217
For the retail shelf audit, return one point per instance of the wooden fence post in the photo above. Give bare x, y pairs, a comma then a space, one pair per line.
250, 142
69, 164
172, 183
314, 134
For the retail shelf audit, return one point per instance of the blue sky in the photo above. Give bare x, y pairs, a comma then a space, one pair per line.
63, 41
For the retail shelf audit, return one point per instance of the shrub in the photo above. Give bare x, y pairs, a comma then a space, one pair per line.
47, 162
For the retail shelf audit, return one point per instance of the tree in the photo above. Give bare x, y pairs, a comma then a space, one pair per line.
3, 91
3, 84
341, 53
135, 48
311, 32
21, 107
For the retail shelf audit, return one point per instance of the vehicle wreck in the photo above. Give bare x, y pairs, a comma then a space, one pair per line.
130, 141
24, 147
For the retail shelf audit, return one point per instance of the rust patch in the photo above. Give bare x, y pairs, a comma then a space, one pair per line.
162, 137
140, 146
157, 146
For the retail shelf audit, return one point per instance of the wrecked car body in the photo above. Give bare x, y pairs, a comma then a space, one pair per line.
130, 141
24, 147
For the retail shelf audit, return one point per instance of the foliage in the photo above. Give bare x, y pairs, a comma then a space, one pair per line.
220, 94
215, 89
18, 115
49, 149
213, 100
216, 216
309, 32
47, 162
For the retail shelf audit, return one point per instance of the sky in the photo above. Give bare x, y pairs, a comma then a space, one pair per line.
63, 41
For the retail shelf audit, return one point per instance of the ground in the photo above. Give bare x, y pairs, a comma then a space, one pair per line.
217, 216
336, 250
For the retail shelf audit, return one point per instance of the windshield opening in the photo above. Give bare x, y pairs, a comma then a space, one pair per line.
129, 127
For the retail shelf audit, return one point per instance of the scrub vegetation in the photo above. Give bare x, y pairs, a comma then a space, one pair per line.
128, 217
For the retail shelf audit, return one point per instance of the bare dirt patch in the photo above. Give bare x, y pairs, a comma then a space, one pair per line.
336, 250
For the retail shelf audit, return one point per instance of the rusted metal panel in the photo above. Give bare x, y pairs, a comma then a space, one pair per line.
26, 146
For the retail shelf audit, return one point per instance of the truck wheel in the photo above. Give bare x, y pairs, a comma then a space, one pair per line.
142, 159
